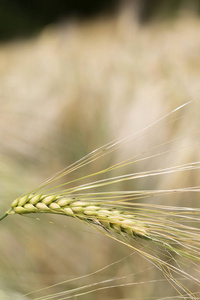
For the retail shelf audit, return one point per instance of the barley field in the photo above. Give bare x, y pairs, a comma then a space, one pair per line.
69, 90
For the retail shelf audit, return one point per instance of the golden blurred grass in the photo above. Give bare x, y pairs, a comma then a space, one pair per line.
66, 92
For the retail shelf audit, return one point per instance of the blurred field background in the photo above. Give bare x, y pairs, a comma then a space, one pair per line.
69, 88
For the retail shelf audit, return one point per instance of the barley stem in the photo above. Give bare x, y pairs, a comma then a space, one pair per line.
5, 215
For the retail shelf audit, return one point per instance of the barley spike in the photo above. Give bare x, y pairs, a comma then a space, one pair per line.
109, 218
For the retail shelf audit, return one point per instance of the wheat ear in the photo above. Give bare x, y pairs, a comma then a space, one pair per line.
109, 218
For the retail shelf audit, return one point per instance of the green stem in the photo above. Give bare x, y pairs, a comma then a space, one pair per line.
2, 217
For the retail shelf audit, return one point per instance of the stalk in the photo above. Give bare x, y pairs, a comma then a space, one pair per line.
3, 216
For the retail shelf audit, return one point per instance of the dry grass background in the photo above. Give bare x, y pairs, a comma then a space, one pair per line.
66, 92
